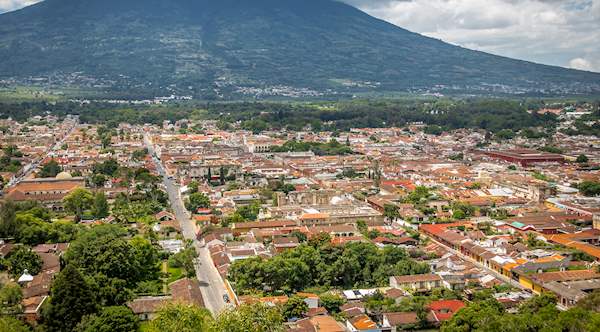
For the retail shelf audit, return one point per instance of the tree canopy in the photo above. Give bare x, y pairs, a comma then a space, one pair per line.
250, 317
197, 201
323, 264
23, 258
50, 169
78, 201
71, 300
536, 314
182, 318
110, 319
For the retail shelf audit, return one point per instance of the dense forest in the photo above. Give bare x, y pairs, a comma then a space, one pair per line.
493, 115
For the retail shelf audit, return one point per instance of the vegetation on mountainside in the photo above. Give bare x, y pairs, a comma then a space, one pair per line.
444, 114
257, 45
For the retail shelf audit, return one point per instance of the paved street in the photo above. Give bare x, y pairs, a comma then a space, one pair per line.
35, 164
481, 266
212, 285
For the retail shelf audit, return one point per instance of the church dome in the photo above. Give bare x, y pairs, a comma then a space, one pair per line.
63, 176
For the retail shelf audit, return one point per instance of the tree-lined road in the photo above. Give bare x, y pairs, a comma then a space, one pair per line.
212, 285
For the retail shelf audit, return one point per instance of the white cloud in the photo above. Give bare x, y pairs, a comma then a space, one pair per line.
589, 64
579, 63
546, 31
8, 5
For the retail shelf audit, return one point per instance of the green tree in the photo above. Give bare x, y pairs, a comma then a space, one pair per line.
537, 303
11, 324
362, 227
332, 302
71, 300
591, 301
50, 170
185, 259
139, 154
103, 250
420, 195
582, 159
196, 201
320, 239
10, 299
299, 235
147, 256
193, 187
222, 175
110, 291
8, 219
589, 188
479, 316
100, 208
391, 211
111, 319
295, 307
23, 258
78, 201
505, 134
578, 320
250, 317
183, 318
249, 212
97, 180
551, 149
458, 214
108, 167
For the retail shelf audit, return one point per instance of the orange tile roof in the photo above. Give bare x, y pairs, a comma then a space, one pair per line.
571, 275
548, 259
363, 322
314, 216
326, 324
567, 240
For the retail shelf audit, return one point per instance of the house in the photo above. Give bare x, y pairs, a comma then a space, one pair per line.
382, 241
187, 290
168, 228
322, 323
312, 300
400, 321
146, 307
164, 216
363, 323
184, 290
443, 310
417, 283
49, 192
5, 248
32, 308
284, 243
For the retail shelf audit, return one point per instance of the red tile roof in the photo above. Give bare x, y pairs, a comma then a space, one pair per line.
444, 309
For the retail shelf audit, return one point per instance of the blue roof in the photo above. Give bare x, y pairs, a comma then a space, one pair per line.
518, 224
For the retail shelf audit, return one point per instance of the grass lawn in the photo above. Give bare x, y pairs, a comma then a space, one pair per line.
144, 327
175, 273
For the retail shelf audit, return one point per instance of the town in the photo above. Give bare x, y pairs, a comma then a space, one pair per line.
129, 227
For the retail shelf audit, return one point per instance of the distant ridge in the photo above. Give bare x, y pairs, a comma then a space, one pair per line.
216, 48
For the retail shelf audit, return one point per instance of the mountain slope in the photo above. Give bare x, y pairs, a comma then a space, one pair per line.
225, 45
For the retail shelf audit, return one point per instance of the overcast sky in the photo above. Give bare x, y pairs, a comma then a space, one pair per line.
556, 32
